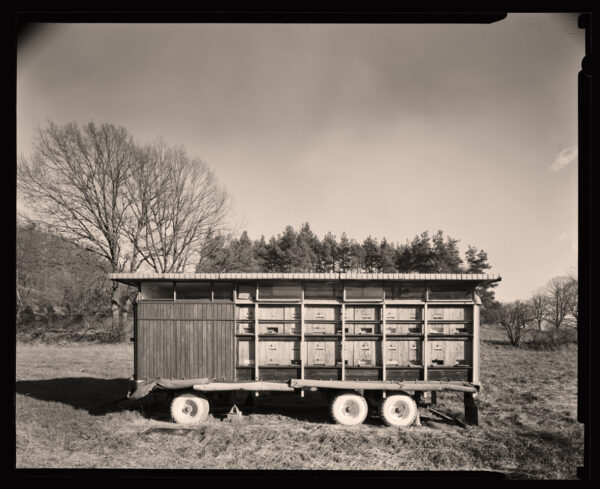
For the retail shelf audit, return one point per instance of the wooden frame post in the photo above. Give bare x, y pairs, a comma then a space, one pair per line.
256, 373
425, 343
383, 339
343, 343
302, 335
476, 313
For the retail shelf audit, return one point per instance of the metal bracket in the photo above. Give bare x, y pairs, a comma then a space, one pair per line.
234, 415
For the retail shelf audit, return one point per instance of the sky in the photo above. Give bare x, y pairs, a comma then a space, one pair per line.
385, 130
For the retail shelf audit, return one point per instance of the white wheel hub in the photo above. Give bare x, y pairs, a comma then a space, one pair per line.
349, 409
189, 408
398, 410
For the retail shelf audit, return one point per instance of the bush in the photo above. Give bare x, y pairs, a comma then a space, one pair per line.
26, 316
551, 340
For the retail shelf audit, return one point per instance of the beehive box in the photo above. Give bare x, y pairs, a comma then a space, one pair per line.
363, 353
278, 312
363, 328
320, 353
404, 328
320, 328
449, 328
403, 353
279, 352
362, 313
450, 313
403, 313
325, 313
449, 353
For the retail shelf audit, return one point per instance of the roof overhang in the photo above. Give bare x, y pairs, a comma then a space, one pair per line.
137, 277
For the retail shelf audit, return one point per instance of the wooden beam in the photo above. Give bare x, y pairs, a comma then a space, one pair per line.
388, 385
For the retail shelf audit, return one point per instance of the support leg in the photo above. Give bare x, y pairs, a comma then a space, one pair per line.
471, 413
434, 398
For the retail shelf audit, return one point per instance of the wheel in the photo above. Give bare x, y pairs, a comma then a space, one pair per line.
349, 409
189, 408
398, 410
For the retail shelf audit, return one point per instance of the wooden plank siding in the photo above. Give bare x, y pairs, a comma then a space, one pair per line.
185, 340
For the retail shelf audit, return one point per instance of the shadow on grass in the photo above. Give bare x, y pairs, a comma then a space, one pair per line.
79, 392
103, 396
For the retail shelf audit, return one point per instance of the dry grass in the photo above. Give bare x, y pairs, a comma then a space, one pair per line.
65, 418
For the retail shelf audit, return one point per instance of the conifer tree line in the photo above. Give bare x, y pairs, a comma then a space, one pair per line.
304, 251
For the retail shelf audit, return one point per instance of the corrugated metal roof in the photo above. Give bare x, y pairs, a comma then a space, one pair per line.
303, 276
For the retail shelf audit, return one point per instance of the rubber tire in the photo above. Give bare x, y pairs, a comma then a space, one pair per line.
356, 402
189, 408
389, 415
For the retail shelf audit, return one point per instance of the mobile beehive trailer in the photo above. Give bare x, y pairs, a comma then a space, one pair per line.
383, 337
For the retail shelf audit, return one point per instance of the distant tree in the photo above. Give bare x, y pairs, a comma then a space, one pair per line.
344, 254
372, 257
243, 251
573, 308
328, 254
261, 254
560, 301
216, 256
357, 257
538, 304
477, 262
276, 258
514, 318
403, 260
387, 257
307, 249
447, 254
422, 255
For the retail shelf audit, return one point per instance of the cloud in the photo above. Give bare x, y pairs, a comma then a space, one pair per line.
573, 241
563, 159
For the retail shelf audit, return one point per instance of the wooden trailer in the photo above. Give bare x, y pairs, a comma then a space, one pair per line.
383, 337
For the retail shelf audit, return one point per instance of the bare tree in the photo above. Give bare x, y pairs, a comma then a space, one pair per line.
75, 184
560, 301
573, 308
130, 205
176, 206
538, 305
514, 318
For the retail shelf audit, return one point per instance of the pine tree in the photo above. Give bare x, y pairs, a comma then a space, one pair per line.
344, 255
387, 257
372, 258
328, 253
261, 254
477, 262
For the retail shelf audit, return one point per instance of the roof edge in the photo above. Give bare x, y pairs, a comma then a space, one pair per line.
139, 276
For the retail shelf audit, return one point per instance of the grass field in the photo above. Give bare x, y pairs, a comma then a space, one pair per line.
65, 417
